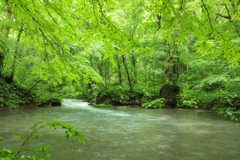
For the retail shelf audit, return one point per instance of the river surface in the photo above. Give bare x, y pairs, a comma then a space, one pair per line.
128, 133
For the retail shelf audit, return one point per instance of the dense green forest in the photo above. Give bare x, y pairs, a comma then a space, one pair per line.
153, 53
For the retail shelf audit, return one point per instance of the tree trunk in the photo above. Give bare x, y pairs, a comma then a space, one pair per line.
168, 68
127, 72
100, 66
119, 71
107, 68
8, 20
1, 61
134, 64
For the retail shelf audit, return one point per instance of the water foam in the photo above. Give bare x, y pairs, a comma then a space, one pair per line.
79, 104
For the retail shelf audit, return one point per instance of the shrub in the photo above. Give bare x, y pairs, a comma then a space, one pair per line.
157, 103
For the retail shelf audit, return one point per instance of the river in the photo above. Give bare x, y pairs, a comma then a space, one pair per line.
129, 133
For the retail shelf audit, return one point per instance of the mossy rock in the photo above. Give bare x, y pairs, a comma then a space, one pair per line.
169, 92
49, 102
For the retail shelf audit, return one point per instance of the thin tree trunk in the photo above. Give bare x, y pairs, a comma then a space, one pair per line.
100, 67
128, 75
1, 61
8, 20
168, 68
107, 77
119, 71
134, 64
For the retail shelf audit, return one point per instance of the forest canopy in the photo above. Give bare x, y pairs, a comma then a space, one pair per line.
123, 50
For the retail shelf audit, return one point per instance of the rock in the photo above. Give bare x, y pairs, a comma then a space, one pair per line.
169, 92
55, 102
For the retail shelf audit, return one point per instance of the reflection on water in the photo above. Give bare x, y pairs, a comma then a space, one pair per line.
129, 133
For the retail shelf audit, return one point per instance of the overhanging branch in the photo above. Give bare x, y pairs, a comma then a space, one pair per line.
224, 16
209, 19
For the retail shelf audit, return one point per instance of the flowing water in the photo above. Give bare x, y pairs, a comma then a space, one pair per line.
129, 133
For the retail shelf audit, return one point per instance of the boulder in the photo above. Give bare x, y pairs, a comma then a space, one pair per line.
169, 92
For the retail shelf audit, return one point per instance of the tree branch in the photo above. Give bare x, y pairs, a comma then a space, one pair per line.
159, 17
33, 86
181, 7
95, 13
204, 5
224, 16
29, 136
229, 15
105, 17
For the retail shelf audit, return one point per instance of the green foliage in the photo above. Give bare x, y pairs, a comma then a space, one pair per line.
112, 93
5, 154
211, 84
214, 81
49, 99
27, 152
12, 95
157, 103
72, 91
188, 103
231, 112
118, 95
46, 94
147, 97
